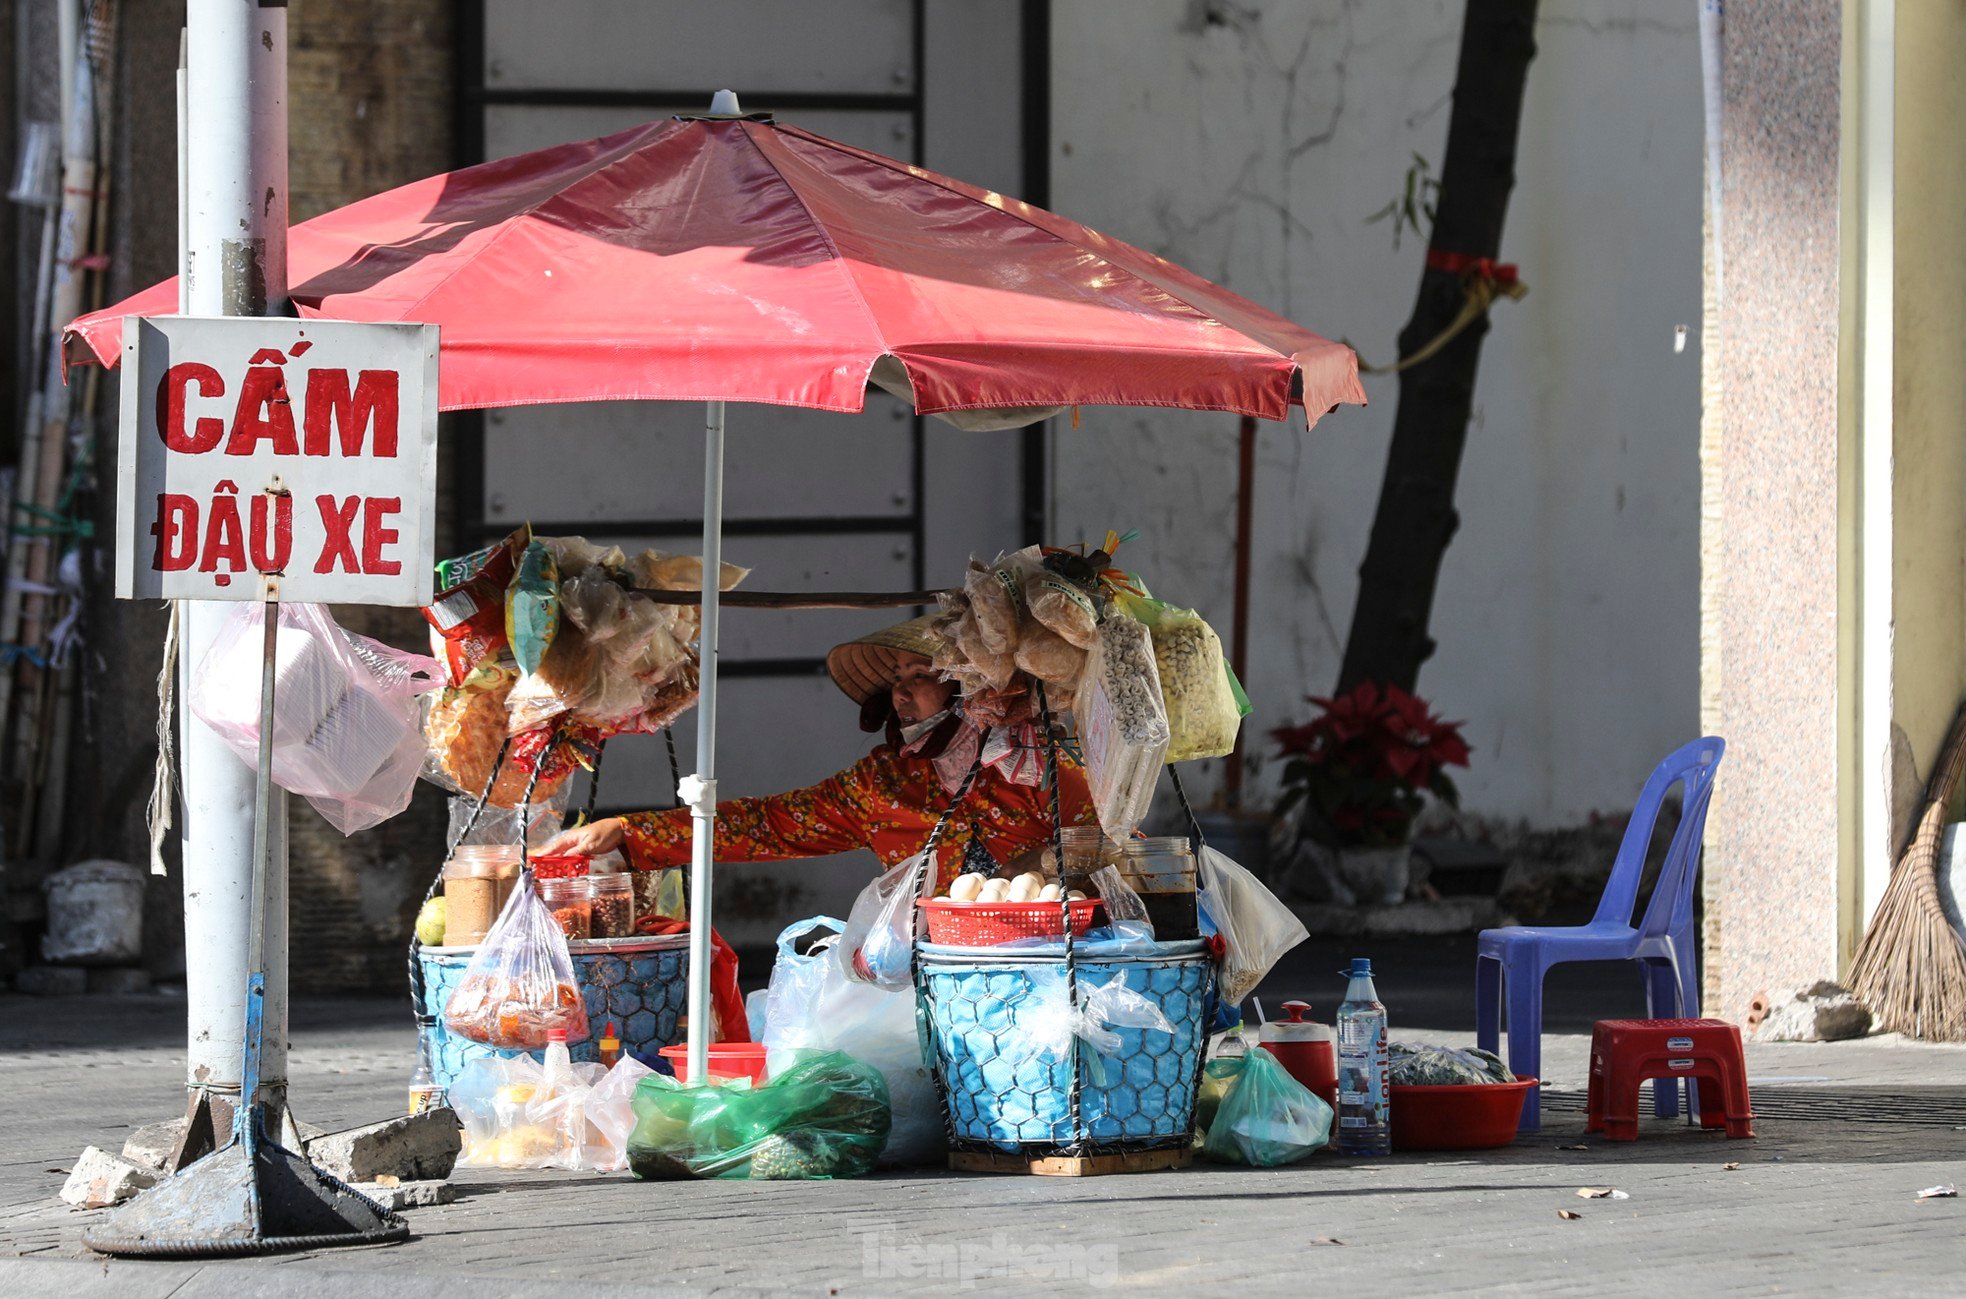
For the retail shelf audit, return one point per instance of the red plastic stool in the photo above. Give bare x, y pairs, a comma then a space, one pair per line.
1627, 1052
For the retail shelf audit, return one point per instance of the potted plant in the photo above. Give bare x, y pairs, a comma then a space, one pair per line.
1361, 771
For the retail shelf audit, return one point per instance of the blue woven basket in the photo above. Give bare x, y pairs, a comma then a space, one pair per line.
639, 983
1000, 1095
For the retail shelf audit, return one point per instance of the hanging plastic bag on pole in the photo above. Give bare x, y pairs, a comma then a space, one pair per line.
520, 986
811, 1004
877, 943
346, 727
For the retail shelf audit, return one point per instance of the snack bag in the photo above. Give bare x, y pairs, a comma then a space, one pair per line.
1203, 714
521, 984
467, 618
1122, 724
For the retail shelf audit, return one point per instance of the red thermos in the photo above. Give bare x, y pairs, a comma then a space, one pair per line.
1307, 1050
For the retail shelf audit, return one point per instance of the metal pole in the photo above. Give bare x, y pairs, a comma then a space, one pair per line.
700, 790
235, 248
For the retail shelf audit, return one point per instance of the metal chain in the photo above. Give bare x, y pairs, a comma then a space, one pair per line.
675, 767
1079, 1134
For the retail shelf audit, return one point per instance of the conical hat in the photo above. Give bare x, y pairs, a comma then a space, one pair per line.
865, 667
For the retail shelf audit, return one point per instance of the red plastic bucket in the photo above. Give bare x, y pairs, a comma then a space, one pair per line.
1472, 1116
727, 1060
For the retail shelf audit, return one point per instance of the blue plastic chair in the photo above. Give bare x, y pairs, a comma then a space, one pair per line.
1510, 963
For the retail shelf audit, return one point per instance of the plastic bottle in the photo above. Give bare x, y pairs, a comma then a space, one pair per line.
1364, 1071
609, 1047
558, 1064
425, 1094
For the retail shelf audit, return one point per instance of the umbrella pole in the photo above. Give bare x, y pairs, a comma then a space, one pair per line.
700, 790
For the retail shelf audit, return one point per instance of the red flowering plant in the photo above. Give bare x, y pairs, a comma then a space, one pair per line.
1364, 764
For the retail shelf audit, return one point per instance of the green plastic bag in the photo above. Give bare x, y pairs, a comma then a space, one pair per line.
1268, 1119
826, 1116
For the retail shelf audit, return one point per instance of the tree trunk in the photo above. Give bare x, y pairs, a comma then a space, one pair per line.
1416, 516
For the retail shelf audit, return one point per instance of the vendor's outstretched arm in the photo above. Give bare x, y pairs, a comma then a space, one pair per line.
813, 822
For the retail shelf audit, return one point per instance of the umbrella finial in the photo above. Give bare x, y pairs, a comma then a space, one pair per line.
724, 104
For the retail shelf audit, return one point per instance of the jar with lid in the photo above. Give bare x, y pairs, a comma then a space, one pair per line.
476, 884
1162, 872
613, 914
571, 901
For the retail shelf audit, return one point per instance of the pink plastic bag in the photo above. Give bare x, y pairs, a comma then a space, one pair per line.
346, 728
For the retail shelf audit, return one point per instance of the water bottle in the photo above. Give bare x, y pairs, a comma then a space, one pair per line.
1364, 1072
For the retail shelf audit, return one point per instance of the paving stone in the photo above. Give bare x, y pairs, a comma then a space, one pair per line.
398, 1196
413, 1147
100, 1179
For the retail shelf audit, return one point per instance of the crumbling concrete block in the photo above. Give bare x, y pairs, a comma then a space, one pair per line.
150, 1146
52, 981
120, 981
1824, 1012
100, 1179
397, 1196
415, 1147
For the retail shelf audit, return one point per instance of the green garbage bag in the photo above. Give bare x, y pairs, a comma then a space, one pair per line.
1218, 1078
1268, 1119
825, 1116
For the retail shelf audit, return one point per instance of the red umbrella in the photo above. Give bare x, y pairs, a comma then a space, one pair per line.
741, 260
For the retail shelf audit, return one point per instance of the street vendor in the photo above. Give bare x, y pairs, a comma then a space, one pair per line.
890, 800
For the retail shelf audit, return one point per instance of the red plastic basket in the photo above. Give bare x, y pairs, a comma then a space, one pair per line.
1470, 1116
560, 866
985, 924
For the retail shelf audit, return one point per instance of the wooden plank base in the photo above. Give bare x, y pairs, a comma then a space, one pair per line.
1130, 1161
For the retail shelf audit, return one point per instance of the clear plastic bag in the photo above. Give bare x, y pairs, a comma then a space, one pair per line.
1122, 724
825, 1116
517, 1115
877, 942
811, 1004
1256, 927
520, 985
500, 825
1202, 713
346, 734
1267, 1119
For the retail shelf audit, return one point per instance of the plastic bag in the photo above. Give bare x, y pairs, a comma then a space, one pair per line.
826, 1116
1418, 1064
345, 710
1202, 713
877, 942
516, 1115
520, 985
500, 825
1267, 1119
1122, 724
1123, 905
1046, 1022
811, 1004
1256, 927
467, 617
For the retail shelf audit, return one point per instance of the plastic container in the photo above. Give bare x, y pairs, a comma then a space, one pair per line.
726, 1061
986, 924
1472, 1116
478, 878
1306, 1049
1162, 872
613, 902
572, 904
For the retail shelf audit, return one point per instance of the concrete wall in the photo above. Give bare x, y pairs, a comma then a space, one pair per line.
1771, 586
1251, 142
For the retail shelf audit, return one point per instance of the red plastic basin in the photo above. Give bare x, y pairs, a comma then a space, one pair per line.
727, 1060
1471, 1116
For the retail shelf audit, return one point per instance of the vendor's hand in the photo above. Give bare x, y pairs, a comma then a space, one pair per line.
590, 840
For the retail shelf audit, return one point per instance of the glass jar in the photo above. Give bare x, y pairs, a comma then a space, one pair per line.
613, 900
477, 880
572, 903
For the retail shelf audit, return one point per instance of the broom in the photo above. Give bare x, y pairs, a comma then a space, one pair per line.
1911, 966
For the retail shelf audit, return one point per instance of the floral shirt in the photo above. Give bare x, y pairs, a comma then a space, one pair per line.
887, 802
